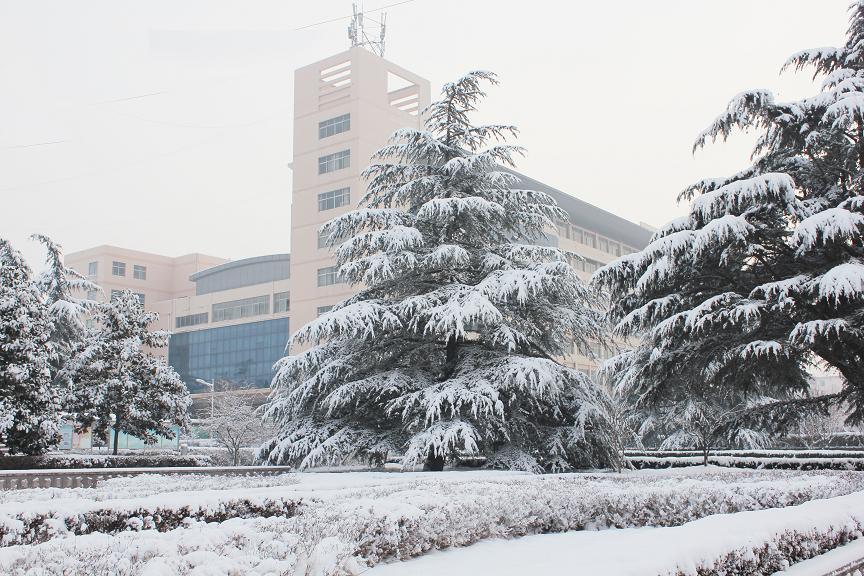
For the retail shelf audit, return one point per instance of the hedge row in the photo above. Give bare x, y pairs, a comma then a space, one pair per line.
36, 528
650, 462
64, 461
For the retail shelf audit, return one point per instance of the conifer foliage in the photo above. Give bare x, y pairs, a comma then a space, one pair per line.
765, 275
449, 347
28, 403
118, 382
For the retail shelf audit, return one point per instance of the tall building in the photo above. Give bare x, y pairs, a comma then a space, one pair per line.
345, 108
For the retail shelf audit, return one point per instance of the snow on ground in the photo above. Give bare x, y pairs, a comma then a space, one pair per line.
348, 521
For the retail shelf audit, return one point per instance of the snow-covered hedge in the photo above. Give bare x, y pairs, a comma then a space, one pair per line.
33, 527
766, 463
338, 531
64, 461
801, 453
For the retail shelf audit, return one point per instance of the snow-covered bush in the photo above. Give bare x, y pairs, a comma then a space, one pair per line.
133, 460
760, 462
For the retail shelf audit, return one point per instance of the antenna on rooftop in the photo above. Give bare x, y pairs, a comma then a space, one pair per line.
357, 31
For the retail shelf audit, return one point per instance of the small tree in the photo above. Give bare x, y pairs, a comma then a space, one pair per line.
119, 383
449, 347
29, 419
236, 424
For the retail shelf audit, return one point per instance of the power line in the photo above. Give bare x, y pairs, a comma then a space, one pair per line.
351, 16
34, 144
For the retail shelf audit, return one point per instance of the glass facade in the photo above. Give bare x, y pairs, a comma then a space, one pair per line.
334, 126
242, 354
247, 272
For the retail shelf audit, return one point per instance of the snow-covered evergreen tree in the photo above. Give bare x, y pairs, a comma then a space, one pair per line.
62, 289
28, 403
118, 383
450, 347
766, 273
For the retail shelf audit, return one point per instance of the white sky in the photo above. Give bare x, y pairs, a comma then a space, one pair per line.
166, 126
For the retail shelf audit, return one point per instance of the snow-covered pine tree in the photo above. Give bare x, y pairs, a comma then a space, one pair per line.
118, 383
28, 404
766, 273
450, 347
63, 288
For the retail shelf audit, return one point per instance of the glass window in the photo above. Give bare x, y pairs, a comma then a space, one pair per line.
92, 294
118, 268
324, 309
332, 162
334, 126
241, 308
140, 297
604, 245
92, 268
328, 276
322, 239
615, 248
191, 320
115, 293
281, 302
139, 272
334, 199
590, 239
577, 235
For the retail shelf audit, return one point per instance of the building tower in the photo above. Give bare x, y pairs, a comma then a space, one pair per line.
345, 108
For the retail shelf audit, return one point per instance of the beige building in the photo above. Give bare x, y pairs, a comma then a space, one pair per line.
345, 109
231, 320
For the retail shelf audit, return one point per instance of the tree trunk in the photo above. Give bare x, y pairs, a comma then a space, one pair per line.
450, 358
116, 434
705, 456
434, 462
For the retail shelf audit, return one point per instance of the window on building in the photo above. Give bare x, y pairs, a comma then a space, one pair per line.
322, 239
92, 294
328, 276
139, 272
334, 199
604, 245
118, 268
334, 126
92, 268
241, 308
140, 297
324, 309
281, 302
335, 161
590, 239
191, 320
577, 235
614, 248
115, 293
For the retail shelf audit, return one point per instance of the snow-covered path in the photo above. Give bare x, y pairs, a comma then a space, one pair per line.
636, 551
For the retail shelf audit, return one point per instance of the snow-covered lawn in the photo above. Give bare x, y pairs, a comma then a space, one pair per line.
343, 522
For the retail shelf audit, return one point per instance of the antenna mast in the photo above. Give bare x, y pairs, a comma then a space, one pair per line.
358, 35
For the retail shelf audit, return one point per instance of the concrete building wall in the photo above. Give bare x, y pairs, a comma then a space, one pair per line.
380, 97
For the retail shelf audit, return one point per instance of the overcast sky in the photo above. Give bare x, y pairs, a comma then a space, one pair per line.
166, 125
